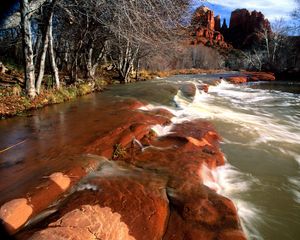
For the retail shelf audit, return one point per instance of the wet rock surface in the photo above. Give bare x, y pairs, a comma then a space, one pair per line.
251, 77
157, 193
153, 188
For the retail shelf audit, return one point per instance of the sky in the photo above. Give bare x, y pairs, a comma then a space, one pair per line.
272, 9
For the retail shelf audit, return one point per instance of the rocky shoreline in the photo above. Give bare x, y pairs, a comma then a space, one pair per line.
153, 188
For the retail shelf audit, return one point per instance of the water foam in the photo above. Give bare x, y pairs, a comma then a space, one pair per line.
240, 106
234, 183
262, 123
248, 114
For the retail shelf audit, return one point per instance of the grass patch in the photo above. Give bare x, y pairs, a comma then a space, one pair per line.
119, 152
12, 104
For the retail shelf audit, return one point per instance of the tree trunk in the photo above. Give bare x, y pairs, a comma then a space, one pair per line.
137, 69
89, 62
90, 66
43, 59
126, 63
52, 55
27, 49
47, 41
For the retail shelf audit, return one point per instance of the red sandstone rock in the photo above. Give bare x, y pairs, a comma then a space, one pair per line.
121, 207
17, 212
237, 80
162, 197
204, 29
124, 135
251, 77
232, 235
63, 181
204, 87
88, 223
162, 112
260, 76
189, 90
204, 17
218, 23
246, 28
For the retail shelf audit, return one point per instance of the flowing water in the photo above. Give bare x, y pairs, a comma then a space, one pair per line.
260, 126
259, 123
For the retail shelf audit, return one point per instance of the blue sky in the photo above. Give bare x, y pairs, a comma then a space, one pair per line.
272, 9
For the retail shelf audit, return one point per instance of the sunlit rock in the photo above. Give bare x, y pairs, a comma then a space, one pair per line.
61, 180
15, 213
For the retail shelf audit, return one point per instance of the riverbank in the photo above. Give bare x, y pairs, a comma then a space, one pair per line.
14, 102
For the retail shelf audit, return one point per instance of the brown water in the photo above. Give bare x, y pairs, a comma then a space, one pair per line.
261, 140
54, 137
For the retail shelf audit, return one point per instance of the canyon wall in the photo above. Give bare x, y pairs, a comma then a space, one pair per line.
245, 29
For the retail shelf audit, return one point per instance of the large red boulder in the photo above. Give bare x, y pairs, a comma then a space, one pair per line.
246, 28
120, 202
153, 191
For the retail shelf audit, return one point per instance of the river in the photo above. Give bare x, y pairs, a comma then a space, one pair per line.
259, 124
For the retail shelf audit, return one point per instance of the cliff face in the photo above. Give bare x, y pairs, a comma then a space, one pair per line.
218, 23
204, 17
205, 28
245, 28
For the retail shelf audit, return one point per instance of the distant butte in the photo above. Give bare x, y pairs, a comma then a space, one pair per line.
203, 29
244, 30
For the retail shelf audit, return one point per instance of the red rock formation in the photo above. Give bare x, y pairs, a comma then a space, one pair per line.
155, 191
160, 194
218, 23
205, 28
88, 223
245, 28
260, 76
17, 212
237, 80
251, 77
204, 17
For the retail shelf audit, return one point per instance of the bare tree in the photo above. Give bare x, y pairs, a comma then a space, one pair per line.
27, 49
142, 24
46, 39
